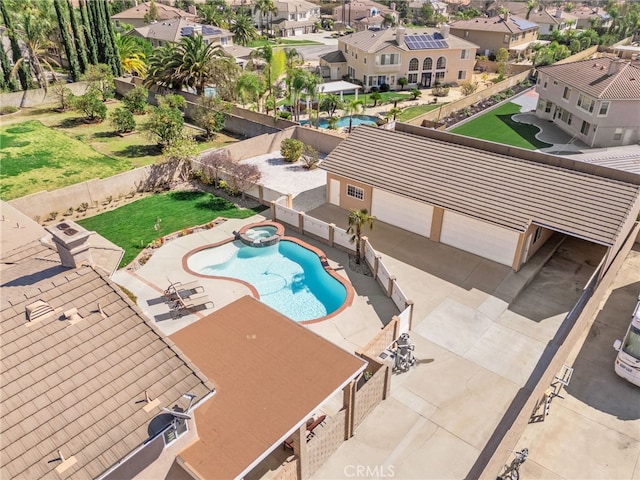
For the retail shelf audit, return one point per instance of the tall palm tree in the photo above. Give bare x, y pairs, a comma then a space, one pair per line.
266, 8
244, 32
162, 65
34, 29
132, 57
249, 88
274, 67
215, 15
352, 108
358, 219
294, 58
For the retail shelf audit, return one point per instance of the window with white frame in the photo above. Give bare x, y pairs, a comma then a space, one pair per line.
464, 54
351, 72
547, 108
441, 64
584, 129
566, 93
388, 59
466, 34
355, 192
586, 103
439, 77
506, 38
604, 109
427, 64
413, 65
462, 74
617, 135
412, 78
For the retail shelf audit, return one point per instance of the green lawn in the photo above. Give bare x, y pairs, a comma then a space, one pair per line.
413, 112
283, 42
36, 158
387, 97
45, 150
497, 126
135, 225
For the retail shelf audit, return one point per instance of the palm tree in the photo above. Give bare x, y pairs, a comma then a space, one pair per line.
376, 97
357, 220
351, 108
214, 15
34, 29
249, 88
274, 66
265, 7
531, 4
294, 58
132, 57
243, 30
330, 103
162, 66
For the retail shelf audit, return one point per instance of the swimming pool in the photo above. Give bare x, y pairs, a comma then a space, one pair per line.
288, 277
344, 121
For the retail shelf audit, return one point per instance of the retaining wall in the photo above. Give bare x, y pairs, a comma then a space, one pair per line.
38, 97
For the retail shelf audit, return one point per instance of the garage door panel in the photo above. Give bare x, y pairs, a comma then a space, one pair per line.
402, 212
481, 238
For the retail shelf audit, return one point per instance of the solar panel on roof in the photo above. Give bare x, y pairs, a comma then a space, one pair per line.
209, 30
523, 24
425, 42
186, 31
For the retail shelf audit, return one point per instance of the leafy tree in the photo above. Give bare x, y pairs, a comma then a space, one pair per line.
100, 77
215, 162
136, 100
209, 115
468, 87
310, 157
415, 93
250, 87
166, 122
181, 152
359, 219
402, 81
244, 32
388, 20
111, 40
132, 57
81, 49
69, 48
91, 105
244, 176
152, 14
117, 6
8, 81
64, 95
330, 103
122, 120
291, 149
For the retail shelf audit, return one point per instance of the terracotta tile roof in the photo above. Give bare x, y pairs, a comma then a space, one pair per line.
74, 387
271, 374
299, 6
592, 77
171, 30
165, 12
495, 24
496, 188
334, 57
370, 41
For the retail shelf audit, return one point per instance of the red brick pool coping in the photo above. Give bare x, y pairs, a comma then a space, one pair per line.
280, 231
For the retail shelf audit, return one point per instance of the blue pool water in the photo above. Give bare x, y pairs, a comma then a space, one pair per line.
287, 276
344, 121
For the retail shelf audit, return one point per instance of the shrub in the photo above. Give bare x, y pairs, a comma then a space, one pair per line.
90, 104
384, 87
136, 100
63, 94
227, 188
440, 91
122, 120
291, 149
7, 109
468, 87
415, 93
310, 157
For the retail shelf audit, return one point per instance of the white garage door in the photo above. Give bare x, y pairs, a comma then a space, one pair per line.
481, 238
402, 212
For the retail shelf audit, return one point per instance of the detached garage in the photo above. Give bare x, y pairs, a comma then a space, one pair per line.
498, 202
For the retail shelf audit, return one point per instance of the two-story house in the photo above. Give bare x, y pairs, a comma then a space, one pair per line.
293, 17
363, 14
590, 17
596, 100
552, 20
172, 31
138, 15
424, 56
502, 31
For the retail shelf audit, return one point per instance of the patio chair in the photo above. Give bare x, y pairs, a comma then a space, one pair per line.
310, 428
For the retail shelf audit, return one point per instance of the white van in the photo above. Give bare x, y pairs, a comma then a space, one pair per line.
628, 359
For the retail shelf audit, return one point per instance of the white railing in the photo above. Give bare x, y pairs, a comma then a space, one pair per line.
405, 320
383, 276
316, 227
398, 296
287, 215
369, 254
342, 238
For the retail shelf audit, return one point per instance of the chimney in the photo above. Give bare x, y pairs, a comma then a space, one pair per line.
392, 6
192, 9
71, 242
400, 36
506, 16
444, 31
615, 66
558, 12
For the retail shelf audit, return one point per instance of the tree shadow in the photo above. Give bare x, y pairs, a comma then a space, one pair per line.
105, 134
136, 151
71, 122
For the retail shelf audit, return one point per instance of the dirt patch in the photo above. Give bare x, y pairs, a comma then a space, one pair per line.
362, 268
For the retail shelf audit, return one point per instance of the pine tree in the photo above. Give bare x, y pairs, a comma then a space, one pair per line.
69, 48
23, 73
90, 40
95, 21
8, 81
116, 64
81, 49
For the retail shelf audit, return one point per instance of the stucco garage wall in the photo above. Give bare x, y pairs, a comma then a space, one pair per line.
481, 238
402, 212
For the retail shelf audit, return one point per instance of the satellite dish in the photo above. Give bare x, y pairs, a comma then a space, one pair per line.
184, 416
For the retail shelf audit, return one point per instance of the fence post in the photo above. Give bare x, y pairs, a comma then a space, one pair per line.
348, 402
410, 305
390, 286
261, 194
301, 222
289, 200
301, 449
273, 210
376, 265
332, 233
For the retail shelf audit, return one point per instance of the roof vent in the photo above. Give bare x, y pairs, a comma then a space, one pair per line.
71, 242
72, 315
37, 311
